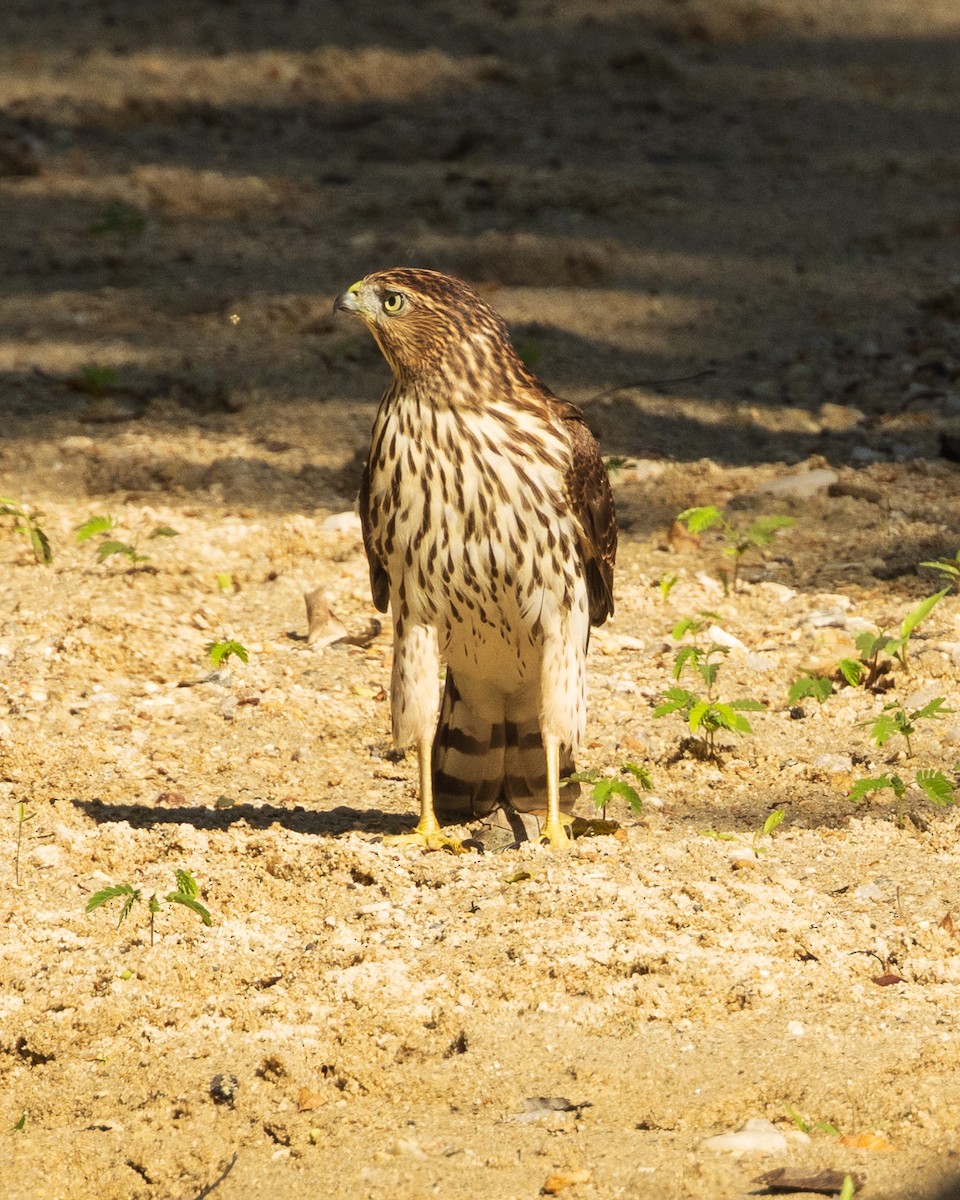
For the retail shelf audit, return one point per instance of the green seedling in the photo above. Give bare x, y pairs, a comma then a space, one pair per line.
848, 1189
186, 893
23, 818
817, 686
896, 720
109, 547
738, 542
870, 666
226, 583
705, 715
20, 1125
615, 462
809, 1127
27, 524
666, 585
606, 787
949, 569
936, 787
767, 829
121, 220
221, 652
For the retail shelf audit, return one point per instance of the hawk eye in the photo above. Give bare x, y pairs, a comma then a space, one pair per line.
393, 302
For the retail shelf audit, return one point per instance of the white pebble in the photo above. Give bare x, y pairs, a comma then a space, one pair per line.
756, 1137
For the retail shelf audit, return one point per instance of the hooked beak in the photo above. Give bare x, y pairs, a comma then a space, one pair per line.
348, 301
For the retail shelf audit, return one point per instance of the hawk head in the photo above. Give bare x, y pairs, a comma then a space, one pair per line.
424, 321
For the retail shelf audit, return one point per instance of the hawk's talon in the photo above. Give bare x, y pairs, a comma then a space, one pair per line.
429, 839
556, 835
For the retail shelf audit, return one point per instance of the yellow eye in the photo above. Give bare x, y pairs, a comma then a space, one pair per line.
393, 302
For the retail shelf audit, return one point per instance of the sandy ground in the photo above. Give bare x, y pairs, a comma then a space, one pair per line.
732, 231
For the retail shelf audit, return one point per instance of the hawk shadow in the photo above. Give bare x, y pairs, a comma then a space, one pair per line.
331, 823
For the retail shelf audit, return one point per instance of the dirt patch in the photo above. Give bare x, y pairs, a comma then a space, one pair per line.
731, 231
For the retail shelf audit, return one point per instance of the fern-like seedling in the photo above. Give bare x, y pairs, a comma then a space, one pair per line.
221, 652
817, 686
185, 893
109, 547
935, 785
606, 787
738, 542
705, 715
896, 720
28, 524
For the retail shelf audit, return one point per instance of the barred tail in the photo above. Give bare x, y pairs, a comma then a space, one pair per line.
483, 761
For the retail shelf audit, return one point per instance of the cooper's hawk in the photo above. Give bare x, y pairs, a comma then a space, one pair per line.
490, 531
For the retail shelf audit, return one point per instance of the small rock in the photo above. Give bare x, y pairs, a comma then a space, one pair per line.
800, 487
756, 1137
826, 618
741, 857
762, 662
834, 764
722, 638
865, 455
779, 591
223, 1089
838, 418
342, 522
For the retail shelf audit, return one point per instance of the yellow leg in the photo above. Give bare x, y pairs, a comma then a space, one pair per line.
428, 831
553, 833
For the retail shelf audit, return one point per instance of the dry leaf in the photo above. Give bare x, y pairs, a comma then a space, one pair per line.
680, 537
788, 1179
866, 1141
308, 1101
554, 1184
322, 625
887, 979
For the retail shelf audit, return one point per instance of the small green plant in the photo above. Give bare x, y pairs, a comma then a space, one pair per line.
121, 220
848, 1189
27, 523
949, 569
870, 666
666, 585
226, 583
108, 547
808, 1127
896, 720
767, 829
738, 542
606, 787
935, 786
186, 893
704, 715
817, 686
23, 818
221, 652
20, 1125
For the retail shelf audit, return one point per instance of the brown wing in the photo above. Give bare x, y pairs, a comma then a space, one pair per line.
588, 489
379, 580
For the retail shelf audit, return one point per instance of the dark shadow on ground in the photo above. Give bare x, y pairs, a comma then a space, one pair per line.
257, 816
